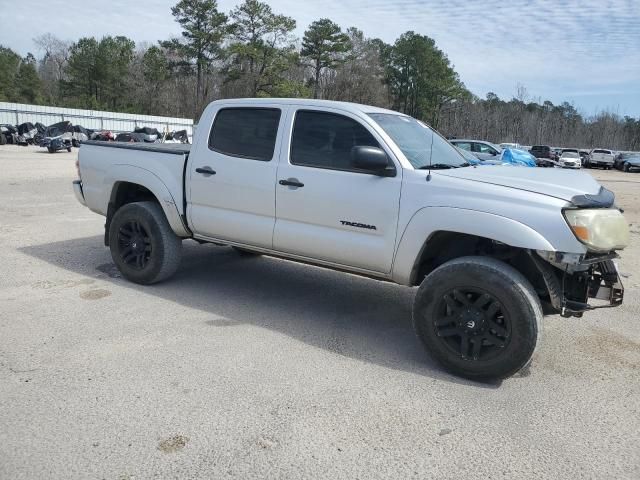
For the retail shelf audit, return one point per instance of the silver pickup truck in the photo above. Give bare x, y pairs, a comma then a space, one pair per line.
372, 192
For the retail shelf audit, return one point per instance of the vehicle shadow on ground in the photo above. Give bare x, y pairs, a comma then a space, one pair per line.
357, 317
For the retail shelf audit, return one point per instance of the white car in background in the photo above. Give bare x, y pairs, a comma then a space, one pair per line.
570, 160
510, 145
600, 157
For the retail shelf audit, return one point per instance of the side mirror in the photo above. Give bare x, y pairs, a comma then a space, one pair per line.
494, 153
372, 159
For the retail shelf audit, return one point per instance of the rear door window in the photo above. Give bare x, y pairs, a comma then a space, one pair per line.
245, 132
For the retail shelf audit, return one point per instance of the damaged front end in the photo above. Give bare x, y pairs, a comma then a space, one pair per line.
578, 283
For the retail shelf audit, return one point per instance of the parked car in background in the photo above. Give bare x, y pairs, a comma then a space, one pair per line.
8, 134
102, 136
58, 136
475, 161
481, 149
130, 137
575, 150
544, 155
150, 135
570, 159
80, 134
179, 136
600, 157
26, 133
510, 145
39, 136
627, 161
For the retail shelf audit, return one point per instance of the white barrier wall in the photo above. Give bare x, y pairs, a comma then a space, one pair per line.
17, 113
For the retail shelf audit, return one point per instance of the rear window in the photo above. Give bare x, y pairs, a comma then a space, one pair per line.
540, 147
602, 151
245, 132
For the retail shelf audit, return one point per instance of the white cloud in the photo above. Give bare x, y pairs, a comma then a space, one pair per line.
554, 47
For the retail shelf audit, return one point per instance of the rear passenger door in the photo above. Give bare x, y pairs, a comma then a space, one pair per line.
325, 208
232, 179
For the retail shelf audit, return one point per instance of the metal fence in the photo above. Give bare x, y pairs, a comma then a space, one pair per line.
17, 113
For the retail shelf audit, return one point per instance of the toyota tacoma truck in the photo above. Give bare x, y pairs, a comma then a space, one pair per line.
372, 192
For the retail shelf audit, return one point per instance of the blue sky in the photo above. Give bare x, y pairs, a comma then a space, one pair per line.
585, 52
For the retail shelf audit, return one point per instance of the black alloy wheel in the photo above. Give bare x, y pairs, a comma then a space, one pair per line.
472, 324
134, 245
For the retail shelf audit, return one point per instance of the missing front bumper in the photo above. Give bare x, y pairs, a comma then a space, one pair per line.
571, 294
604, 286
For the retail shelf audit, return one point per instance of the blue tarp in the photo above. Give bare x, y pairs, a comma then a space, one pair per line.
514, 156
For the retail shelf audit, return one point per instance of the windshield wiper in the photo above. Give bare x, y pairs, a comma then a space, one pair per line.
437, 166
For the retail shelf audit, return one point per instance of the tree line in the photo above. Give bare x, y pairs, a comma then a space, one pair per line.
251, 51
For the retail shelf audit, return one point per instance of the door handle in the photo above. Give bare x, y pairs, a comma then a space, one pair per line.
291, 182
206, 171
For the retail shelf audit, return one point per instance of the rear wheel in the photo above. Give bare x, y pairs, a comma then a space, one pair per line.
143, 246
51, 150
626, 167
478, 317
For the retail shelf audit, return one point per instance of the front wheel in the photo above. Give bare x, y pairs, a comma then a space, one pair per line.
478, 317
51, 150
626, 167
143, 246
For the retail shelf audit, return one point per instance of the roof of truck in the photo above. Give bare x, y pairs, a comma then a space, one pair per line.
347, 106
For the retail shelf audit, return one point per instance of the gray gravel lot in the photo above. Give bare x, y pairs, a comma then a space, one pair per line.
261, 368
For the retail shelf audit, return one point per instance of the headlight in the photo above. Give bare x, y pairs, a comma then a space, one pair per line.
602, 229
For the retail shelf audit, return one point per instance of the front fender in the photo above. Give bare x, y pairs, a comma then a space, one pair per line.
426, 221
149, 180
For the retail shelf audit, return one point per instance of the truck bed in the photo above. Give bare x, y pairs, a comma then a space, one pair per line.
171, 148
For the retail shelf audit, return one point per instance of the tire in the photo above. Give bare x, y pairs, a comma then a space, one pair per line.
246, 253
51, 150
626, 167
504, 324
142, 244
3, 139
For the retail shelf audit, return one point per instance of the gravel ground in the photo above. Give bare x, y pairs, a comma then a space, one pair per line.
261, 368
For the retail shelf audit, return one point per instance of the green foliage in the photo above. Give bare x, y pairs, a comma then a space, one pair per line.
97, 71
28, 82
324, 45
421, 78
155, 66
204, 29
261, 50
19, 80
9, 66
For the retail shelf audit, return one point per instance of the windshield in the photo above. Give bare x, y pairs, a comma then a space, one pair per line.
423, 147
